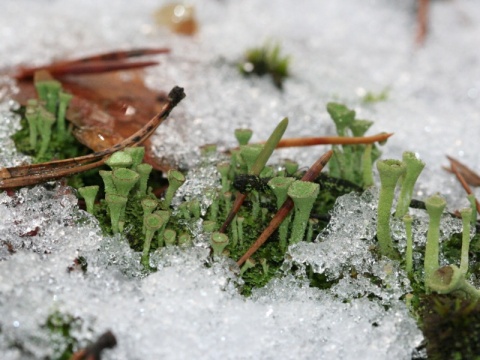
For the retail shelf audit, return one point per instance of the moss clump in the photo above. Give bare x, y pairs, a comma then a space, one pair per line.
451, 327
351, 162
59, 147
63, 329
266, 60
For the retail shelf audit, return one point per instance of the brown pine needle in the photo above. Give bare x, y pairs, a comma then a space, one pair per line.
422, 21
287, 206
37, 173
333, 140
468, 174
110, 61
235, 208
454, 168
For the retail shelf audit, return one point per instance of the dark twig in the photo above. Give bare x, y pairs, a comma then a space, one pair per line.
93, 352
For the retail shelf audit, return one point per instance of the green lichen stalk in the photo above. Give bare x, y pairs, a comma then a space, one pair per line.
218, 241
407, 220
89, 193
303, 194
466, 218
116, 206
451, 280
152, 223
390, 171
435, 205
279, 186
175, 180
414, 168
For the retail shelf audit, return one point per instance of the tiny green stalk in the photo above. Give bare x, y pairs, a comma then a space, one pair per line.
466, 217
89, 193
414, 167
175, 180
407, 220
450, 279
303, 194
218, 241
152, 223
116, 206
435, 205
390, 171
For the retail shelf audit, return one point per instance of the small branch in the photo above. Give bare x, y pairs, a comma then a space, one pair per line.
93, 352
287, 206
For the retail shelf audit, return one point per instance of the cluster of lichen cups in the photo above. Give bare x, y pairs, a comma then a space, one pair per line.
443, 280
127, 181
351, 162
44, 112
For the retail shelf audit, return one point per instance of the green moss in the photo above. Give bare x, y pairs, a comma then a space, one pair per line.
63, 329
452, 328
58, 148
372, 97
266, 60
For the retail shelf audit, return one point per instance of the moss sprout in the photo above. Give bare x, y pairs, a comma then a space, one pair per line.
473, 205
148, 205
435, 205
414, 167
218, 241
136, 153
243, 136
224, 168
390, 171
250, 154
152, 223
169, 237
45, 122
124, 180
303, 194
279, 186
144, 171
209, 226
31, 114
119, 159
249, 264
175, 180
450, 279
89, 193
185, 240
407, 220
64, 100
466, 214
266, 60
116, 206
107, 181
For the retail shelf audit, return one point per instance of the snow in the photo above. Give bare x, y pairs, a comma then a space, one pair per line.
340, 51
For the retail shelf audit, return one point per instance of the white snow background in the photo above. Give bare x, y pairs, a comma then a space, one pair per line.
340, 51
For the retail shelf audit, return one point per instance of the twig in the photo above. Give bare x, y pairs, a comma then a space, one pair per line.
333, 140
93, 352
287, 206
